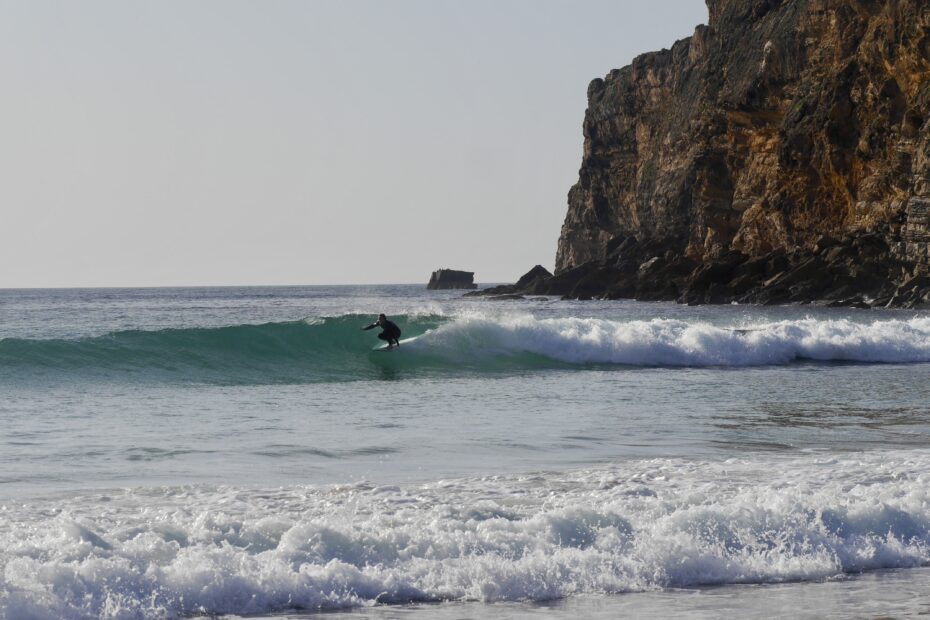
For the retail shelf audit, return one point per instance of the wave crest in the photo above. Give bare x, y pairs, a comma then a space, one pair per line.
334, 348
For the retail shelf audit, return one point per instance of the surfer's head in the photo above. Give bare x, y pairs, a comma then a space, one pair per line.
381, 317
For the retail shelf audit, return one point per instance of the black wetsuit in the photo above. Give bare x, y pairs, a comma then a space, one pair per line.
390, 331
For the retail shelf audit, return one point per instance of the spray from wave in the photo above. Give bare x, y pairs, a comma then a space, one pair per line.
334, 349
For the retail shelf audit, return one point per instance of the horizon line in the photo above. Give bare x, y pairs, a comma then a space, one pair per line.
157, 286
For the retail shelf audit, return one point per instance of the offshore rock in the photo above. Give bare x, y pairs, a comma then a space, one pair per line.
451, 279
781, 154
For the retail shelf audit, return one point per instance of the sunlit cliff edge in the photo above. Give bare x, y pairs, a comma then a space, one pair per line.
780, 154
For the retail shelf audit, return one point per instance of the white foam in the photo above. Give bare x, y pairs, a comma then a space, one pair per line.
666, 342
636, 526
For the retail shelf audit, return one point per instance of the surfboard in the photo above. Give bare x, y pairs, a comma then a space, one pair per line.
385, 347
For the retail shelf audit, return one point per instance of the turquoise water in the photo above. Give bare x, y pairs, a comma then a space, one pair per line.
174, 452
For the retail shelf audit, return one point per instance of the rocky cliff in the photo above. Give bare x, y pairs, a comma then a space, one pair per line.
785, 135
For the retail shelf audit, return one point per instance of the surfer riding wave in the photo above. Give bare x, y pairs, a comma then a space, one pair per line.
390, 332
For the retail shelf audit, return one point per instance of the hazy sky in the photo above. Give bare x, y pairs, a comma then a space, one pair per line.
298, 142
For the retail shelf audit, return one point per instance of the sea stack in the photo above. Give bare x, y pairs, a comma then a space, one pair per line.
451, 279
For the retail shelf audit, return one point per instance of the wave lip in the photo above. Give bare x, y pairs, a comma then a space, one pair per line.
632, 527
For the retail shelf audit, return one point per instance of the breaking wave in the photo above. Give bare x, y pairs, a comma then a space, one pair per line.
636, 526
334, 349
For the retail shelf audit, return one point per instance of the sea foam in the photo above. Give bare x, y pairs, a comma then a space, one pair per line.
668, 342
640, 525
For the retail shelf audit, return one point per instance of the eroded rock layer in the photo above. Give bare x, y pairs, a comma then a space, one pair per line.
785, 131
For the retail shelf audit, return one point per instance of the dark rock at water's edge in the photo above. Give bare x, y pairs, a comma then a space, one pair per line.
781, 154
859, 270
532, 277
535, 278
451, 279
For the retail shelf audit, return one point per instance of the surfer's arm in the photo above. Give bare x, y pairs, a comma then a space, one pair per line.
372, 326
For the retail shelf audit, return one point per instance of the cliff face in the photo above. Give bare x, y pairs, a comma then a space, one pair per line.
781, 124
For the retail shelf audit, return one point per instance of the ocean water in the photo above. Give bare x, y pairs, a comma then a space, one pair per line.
244, 452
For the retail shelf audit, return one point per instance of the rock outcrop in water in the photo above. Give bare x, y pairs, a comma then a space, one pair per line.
533, 282
780, 154
451, 279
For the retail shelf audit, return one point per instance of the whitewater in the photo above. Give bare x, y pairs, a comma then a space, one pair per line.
172, 453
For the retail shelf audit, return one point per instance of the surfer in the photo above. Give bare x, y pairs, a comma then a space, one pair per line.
389, 330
